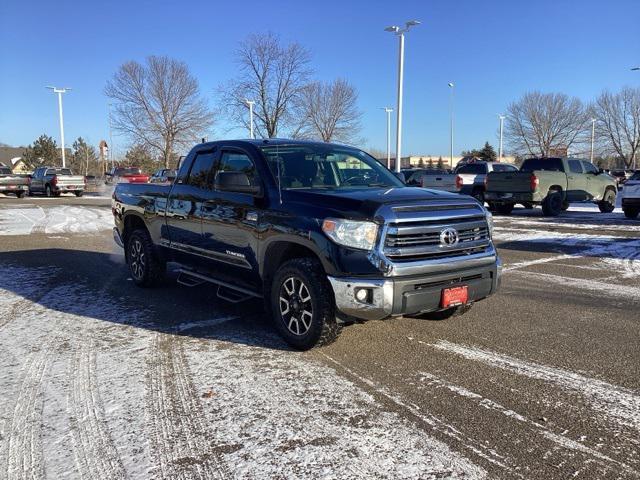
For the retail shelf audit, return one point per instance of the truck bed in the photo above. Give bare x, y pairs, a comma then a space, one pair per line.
446, 182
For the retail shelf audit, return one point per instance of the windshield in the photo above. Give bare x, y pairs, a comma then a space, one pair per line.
549, 164
326, 166
635, 176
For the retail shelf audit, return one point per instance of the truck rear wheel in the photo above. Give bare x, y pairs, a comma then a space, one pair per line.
47, 191
631, 213
302, 304
552, 205
504, 208
608, 203
79, 193
19, 194
146, 267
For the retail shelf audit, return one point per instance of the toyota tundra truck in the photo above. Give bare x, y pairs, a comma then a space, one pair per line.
323, 234
552, 183
11, 183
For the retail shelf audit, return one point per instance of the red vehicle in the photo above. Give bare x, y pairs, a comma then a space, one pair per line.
126, 175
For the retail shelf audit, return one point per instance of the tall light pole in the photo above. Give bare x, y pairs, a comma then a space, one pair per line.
250, 103
110, 138
400, 33
60, 91
593, 136
451, 88
501, 117
388, 111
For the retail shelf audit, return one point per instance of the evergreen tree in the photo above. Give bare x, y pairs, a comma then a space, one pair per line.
84, 158
44, 151
440, 164
430, 162
488, 153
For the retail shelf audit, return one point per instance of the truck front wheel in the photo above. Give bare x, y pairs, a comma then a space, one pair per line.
146, 267
302, 304
608, 203
504, 208
631, 213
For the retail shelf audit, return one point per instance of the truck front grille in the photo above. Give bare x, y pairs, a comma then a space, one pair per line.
420, 238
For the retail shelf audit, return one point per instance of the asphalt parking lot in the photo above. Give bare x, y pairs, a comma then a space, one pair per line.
102, 380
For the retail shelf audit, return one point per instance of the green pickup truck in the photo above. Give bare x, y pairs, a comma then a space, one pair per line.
552, 183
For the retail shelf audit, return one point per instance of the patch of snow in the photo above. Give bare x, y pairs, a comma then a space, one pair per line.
54, 220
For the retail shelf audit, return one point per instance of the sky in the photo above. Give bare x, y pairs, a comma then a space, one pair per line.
493, 51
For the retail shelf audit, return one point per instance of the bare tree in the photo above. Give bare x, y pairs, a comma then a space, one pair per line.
158, 105
328, 111
540, 123
272, 75
618, 122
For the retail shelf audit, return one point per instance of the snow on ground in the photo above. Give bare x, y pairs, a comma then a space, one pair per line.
27, 219
91, 389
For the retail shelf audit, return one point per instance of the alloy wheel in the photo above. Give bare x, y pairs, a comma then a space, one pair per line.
137, 261
296, 309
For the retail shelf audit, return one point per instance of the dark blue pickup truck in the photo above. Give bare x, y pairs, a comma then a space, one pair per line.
323, 233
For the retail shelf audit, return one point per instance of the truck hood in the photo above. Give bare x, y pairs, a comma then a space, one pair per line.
365, 202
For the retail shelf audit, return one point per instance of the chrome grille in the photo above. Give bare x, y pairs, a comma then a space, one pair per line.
419, 238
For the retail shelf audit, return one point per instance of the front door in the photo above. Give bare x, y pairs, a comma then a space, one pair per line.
230, 220
183, 232
576, 182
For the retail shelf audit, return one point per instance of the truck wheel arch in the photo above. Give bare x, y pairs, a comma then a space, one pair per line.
131, 222
558, 189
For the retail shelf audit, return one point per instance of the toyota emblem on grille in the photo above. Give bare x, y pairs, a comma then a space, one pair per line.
449, 237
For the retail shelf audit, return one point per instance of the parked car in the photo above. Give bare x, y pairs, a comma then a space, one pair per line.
323, 233
552, 183
12, 183
631, 196
164, 175
126, 175
53, 181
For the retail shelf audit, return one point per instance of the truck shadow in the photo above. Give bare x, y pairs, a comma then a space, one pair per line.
97, 285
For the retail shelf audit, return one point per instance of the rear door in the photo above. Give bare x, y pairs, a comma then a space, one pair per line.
577, 188
230, 219
183, 211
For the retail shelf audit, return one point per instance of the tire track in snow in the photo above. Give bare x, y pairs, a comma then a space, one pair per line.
179, 439
94, 450
24, 445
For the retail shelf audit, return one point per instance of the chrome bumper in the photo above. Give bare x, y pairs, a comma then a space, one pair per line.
408, 295
117, 238
379, 306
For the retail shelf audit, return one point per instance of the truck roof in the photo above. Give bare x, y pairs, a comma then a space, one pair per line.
258, 142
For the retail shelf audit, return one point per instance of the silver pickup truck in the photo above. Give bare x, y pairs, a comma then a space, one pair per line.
12, 183
53, 181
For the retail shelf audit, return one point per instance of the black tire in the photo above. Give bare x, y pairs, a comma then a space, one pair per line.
552, 204
47, 191
79, 193
304, 275
478, 194
146, 267
30, 193
492, 206
446, 314
504, 208
565, 206
631, 213
19, 194
608, 203
527, 205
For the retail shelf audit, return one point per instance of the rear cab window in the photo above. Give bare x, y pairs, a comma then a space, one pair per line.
546, 164
473, 168
501, 167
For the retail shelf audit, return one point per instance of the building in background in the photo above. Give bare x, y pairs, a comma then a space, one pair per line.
426, 161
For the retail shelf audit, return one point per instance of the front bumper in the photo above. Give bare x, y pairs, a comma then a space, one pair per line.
410, 295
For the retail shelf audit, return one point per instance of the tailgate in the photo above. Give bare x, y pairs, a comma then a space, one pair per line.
70, 180
14, 180
511, 182
440, 182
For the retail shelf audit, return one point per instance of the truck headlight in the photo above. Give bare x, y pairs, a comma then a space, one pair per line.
351, 233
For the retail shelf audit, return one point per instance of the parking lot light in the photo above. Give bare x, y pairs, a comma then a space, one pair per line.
60, 91
451, 87
250, 103
400, 33
501, 117
388, 111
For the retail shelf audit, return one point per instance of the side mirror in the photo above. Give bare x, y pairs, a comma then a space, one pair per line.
400, 176
237, 182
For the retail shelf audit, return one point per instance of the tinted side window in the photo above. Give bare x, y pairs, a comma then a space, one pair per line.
238, 162
575, 166
474, 168
504, 168
200, 174
589, 167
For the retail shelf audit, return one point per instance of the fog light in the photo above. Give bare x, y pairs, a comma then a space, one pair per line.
362, 294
